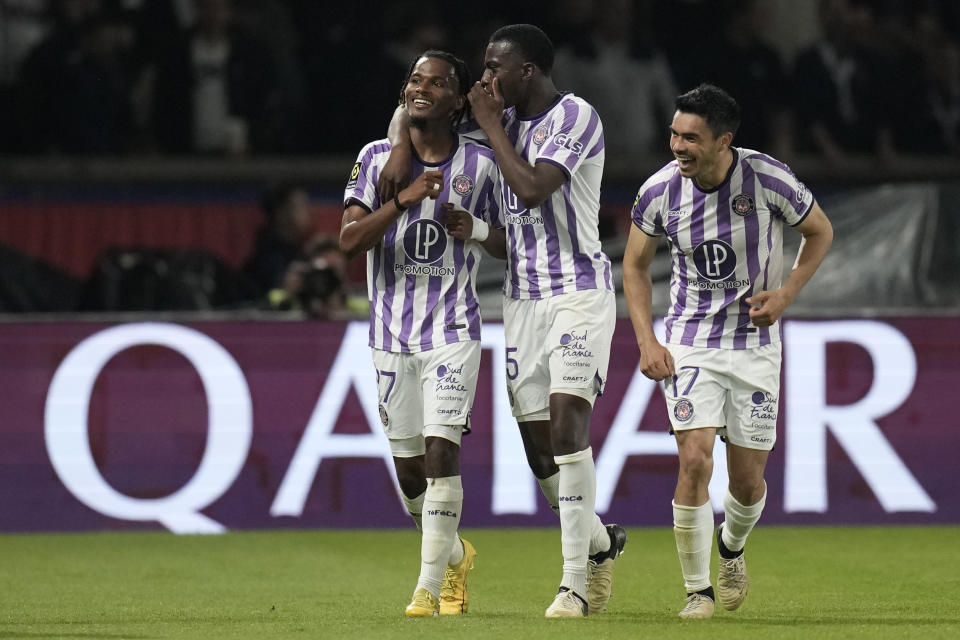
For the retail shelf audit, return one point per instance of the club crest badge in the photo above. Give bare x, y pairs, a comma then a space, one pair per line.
384, 418
540, 134
683, 410
743, 204
463, 184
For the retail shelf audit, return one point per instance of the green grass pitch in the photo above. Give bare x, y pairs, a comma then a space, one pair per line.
816, 582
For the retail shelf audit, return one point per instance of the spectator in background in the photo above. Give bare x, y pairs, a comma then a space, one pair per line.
280, 242
840, 84
23, 25
752, 72
216, 88
71, 88
618, 69
315, 282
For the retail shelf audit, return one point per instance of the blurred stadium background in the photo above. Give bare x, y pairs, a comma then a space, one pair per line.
150, 379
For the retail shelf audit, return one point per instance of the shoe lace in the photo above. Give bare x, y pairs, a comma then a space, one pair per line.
448, 587
733, 573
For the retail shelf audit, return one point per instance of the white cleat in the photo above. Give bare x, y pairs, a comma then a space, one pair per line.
567, 604
698, 606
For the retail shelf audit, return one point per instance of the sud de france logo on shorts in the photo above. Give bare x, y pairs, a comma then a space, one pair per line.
683, 410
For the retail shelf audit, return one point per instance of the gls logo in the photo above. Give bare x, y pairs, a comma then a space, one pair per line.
565, 141
424, 241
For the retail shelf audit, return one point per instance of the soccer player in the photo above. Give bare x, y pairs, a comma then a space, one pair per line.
424, 315
559, 308
723, 210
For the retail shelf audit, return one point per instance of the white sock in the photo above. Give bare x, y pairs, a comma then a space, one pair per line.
550, 487
456, 551
414, 508
693, 530
578, 487
441, 517
739, 520
599, 539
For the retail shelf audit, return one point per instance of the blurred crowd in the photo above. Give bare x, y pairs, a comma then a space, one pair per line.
240, 77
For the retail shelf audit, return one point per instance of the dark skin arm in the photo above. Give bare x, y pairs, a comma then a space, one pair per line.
531, 184
359, 230
459, 224
396, 172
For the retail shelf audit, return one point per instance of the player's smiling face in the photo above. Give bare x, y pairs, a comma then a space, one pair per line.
432, 92
506, 65
696, 149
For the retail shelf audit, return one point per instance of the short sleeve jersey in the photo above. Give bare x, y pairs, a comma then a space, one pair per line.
555, 248
726, 245
421, 281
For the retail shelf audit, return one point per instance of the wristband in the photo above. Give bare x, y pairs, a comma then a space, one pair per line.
396, 202
480, 230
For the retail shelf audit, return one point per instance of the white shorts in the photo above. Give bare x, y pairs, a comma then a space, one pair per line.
735, 390
429, 393
559, 344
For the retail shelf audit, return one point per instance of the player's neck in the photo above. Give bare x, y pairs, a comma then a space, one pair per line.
719, 172
433, 142
541, 96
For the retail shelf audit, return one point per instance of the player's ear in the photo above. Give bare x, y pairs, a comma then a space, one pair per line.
527, 70
461, 101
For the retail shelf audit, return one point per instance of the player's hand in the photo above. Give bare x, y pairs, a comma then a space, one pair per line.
766, 307
395, 174
459, 223
427, 185
656, 362
486, 103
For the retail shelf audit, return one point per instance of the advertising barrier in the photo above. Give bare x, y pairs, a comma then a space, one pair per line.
214, 426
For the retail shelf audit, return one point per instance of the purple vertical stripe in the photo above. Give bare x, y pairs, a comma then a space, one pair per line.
469, 168
725, 233
765, 331
751, 230
473, 305
675, 186
451, 295
692, 324
388, 249
531, 255
552, 242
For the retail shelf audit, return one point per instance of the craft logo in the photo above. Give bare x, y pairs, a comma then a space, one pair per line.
463, 184
743, 205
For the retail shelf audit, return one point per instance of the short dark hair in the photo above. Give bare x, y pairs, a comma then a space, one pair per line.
460, 70
717, 107
533, 44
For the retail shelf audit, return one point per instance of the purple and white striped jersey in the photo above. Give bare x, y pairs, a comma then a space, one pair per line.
421, 280
555, 248
726, 245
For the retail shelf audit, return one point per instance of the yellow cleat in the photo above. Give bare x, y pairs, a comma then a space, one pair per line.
453, 592
424, 605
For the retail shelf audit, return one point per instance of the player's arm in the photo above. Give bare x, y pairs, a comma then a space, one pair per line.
655, 360
531, 184
767, 306
463, 226
359, 230
395, 174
